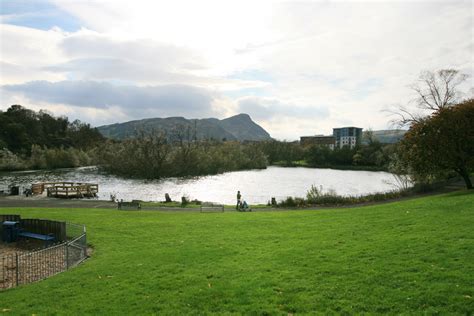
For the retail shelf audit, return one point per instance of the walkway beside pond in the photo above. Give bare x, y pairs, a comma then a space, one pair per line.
44, 202
22, 201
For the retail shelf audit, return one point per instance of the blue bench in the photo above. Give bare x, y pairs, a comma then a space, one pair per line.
48, 239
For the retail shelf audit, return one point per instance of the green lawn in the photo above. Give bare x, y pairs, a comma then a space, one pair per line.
408, 257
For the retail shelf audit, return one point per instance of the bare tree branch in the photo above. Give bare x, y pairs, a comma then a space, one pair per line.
434, 91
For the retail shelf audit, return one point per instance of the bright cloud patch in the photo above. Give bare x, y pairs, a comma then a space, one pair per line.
269, 108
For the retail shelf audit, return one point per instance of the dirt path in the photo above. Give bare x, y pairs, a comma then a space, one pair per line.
22, 201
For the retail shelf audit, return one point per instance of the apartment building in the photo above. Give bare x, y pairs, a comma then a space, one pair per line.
347, 136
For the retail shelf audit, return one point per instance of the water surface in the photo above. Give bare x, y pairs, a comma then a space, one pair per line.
256, 186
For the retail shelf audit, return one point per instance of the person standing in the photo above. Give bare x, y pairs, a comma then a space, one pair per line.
239, 197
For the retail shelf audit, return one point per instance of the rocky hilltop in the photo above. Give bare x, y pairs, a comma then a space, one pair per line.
239, 127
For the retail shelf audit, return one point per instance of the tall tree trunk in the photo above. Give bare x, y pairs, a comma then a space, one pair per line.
465, 175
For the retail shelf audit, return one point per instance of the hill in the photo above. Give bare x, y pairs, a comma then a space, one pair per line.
239, 127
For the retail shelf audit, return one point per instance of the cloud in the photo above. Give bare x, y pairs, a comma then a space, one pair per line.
287, 63
263, 108
166, 100
29, 47
37, 14
106, 68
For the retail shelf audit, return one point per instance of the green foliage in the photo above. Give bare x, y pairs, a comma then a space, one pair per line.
9, 161
412, 257
184, 201
316, 196
152, 156
281, 152
20, 128
373, 155
38, 140
441, 143
45, 158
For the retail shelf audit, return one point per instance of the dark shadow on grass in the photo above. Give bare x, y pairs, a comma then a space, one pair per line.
457, 193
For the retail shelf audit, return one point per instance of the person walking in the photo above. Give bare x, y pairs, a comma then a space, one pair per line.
239, 197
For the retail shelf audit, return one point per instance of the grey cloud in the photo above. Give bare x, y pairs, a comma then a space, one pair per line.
104, 68
138, 51
165, 100
266, 108
97, 57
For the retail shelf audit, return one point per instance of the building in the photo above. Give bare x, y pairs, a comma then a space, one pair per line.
319, 140
347, 136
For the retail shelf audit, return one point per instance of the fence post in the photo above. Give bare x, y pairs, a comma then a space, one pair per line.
17, 268
67, 255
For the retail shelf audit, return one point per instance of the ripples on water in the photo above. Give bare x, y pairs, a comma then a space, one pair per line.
256, 186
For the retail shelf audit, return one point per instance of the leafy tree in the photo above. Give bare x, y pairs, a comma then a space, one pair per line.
319, 156
153, 156
441, 143
82, 135
20, 128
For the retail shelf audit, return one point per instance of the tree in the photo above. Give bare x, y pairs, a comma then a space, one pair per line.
442, 142
438, 90
434, 90
20, 128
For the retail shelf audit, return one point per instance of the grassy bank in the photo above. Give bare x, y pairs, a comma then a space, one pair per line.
407, 257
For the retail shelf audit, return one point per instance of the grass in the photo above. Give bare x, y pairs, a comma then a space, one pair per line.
408, 257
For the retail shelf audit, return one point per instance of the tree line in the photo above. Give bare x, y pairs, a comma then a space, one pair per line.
369, 155
438, 144
39, 140
153, 156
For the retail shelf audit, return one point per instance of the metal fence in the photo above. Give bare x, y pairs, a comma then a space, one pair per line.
26, 267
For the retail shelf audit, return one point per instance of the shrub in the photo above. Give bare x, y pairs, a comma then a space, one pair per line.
316, 196
184, 201
10, 161
289, 202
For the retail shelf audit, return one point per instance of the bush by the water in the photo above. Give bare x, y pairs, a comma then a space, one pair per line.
317, 196
47, 158
39, 140
152, 156
9, 161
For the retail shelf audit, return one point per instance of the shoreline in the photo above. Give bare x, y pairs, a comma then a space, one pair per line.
46, 202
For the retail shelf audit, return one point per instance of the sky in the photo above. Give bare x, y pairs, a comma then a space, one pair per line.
296, 67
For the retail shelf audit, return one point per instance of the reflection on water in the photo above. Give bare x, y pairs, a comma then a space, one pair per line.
257, 186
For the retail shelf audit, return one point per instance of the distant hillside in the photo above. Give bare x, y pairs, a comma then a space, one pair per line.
239, 127
389, 136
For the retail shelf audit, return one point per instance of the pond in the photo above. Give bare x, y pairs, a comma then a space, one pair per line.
256, 186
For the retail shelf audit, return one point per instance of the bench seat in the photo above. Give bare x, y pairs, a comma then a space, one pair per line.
135, 205
36, 236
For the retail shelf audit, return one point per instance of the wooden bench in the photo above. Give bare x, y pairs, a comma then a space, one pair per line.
48, 239
135, 205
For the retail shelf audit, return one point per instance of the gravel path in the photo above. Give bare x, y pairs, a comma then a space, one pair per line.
41, 201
